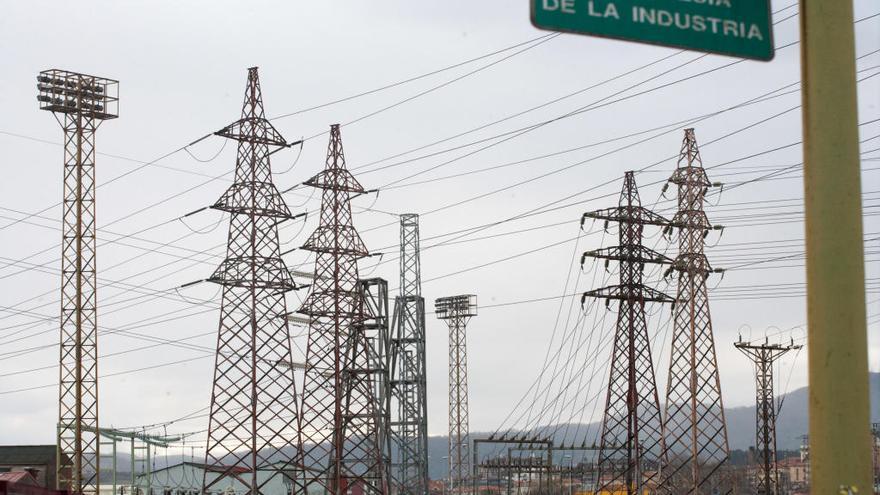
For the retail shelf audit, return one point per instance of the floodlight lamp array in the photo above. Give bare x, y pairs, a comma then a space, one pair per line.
74, 93
456, 306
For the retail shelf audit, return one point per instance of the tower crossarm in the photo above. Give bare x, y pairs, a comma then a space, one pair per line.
775, 349
692, 219
693, 264
629, 292
633, 214
254, 130
634, 253
765, 351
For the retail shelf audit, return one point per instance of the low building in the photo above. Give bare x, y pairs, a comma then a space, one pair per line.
436, 487
40, 461
794, 473
23, 483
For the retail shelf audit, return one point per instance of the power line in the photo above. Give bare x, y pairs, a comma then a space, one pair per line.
414, 78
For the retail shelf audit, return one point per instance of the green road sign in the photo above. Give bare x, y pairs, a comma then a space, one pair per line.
741, 28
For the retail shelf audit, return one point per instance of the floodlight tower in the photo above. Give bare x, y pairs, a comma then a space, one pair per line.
763, 355
457, 311
80, 103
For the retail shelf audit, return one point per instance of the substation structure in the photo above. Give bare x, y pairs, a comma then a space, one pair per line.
632, 445
409, 402
376, 330
766, 477
80, 103
457, 311
253, 425
694, 426
141, 455
532, 465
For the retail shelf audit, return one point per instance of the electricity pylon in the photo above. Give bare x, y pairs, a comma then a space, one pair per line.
763, 355
409, 427
694, 425
457, 311
80, 103
254, 418
632, 441
341, 424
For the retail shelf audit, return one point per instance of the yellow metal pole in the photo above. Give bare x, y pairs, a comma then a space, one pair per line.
840, 450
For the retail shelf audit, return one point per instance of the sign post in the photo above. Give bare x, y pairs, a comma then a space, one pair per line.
840, 437
741, 28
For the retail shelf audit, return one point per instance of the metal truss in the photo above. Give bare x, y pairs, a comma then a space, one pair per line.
694, 425
632, 443
79, 103
513, 465
766, 480
253, 421
341, 419
376, 332
457, 311
409, 426
538, 463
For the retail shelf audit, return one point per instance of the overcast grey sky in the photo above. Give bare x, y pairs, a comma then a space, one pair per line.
181, 67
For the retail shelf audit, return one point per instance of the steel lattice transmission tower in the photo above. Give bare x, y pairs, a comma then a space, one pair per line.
632, 439
80, 103
764, 355
253, 419
694, 425
409, 428
457, 311
341, 419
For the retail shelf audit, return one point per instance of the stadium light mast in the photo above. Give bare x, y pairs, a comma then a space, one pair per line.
80, 103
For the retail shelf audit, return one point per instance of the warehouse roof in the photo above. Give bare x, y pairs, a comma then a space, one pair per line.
24, 455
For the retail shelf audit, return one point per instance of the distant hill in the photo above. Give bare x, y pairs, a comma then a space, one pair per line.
791, 425
793, 422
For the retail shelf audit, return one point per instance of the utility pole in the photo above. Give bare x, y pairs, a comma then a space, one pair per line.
694, 426
764, 355
840, 448
80, 103
340, 424
457, 311
632, 438
253, 418
409, 428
